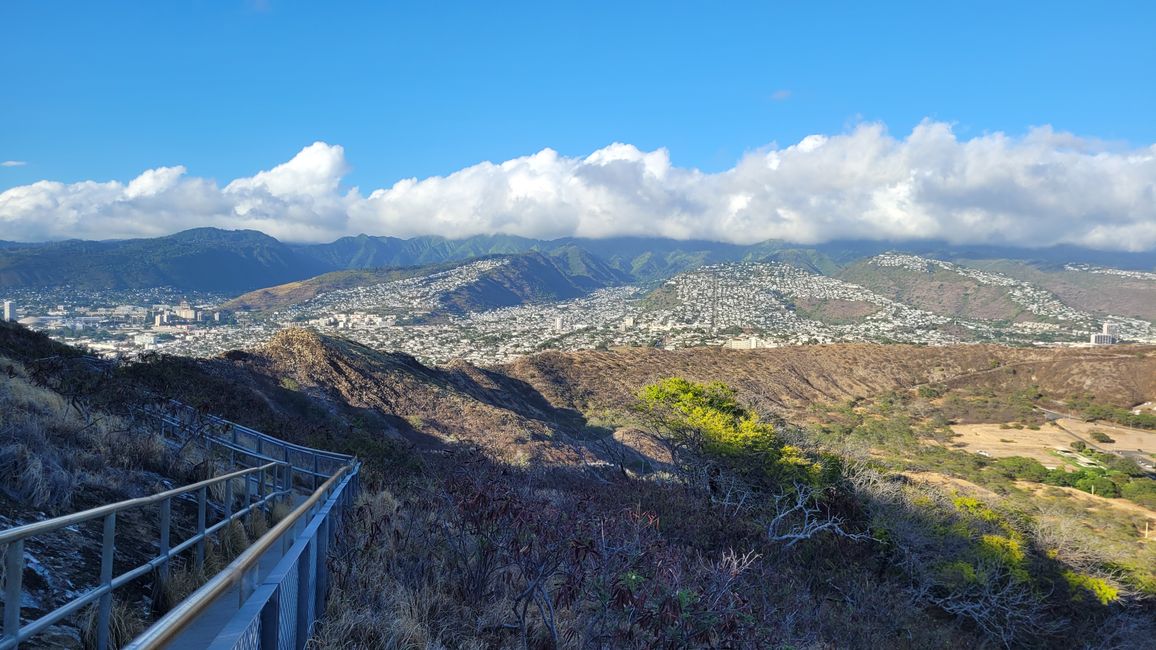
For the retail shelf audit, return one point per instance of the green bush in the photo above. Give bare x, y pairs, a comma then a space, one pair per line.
1098, 485
1079, 445
1100, 436
1079, 583
1019, 467
930, 391
1062, 478
708, 419
1120, 464
1141, 490
1120, 416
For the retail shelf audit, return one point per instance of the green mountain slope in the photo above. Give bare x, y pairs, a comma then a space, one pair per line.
209, 259
205, 259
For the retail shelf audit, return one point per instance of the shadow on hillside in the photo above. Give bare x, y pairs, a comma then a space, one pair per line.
505, 392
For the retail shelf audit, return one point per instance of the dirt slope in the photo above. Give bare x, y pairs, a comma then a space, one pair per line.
792, 378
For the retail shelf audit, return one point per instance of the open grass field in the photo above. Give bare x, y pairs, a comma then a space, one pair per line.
997, 442
1125, 439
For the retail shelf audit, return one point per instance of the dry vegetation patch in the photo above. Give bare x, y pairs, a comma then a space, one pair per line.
1013, 439
1125, 439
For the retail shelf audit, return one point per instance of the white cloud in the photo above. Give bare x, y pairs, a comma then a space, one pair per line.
1038, 189
13, 163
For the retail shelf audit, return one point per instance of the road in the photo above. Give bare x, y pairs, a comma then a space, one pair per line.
1140, 457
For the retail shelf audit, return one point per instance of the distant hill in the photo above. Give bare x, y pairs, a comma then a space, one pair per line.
205, 259
534, 277
530, 277
366, 252
294, 293
210, 259
938, 290
1115, 293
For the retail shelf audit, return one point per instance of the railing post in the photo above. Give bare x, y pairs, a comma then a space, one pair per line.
316, 472
201, 498
107, 549
229, 499
165, 525
288, 473
249, 494
13, 577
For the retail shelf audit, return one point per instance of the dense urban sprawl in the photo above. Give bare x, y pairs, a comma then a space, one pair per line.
737, 305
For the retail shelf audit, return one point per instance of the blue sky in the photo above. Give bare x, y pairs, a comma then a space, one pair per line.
103, 90
994, 122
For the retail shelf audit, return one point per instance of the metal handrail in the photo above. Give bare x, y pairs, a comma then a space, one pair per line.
175, 622
229, 445
14, 632
331, 455
320, 470
49, 525
334, 488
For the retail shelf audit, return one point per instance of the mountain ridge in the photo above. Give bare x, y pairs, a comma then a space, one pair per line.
211, 259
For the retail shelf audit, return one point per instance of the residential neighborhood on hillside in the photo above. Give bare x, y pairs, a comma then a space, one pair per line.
737, 305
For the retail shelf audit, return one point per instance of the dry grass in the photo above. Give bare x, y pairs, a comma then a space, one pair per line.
258, 523
125, 623
1124, 438
50, 451
634, 565
184, 576
1001, 442
281, 509
233, 540
395, 597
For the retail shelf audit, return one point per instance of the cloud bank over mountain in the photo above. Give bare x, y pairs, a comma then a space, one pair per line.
1039, 189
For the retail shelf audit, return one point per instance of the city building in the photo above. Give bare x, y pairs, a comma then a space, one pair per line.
9, 311
186, 312
748, 343
1109, 335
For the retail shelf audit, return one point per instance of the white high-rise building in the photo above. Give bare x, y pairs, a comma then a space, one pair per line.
1109, 335
9, 311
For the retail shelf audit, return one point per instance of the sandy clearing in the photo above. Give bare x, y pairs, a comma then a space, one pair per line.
1001, 443
1126, 439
